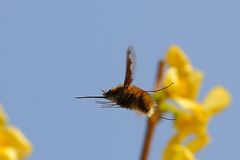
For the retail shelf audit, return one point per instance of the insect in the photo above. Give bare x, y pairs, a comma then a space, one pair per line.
127, 95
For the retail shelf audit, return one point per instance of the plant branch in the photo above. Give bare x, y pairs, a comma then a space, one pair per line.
152, 121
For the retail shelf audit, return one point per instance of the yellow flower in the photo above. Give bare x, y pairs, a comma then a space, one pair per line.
186, 79
192, 116
3, 117
8, 153
179, 152
13, 144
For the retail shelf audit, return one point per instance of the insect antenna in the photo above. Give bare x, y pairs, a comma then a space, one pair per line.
161, 88
102, 90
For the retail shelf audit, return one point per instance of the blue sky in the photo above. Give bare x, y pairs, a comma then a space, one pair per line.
52, 51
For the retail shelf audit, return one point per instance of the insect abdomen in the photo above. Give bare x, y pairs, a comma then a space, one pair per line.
137, 99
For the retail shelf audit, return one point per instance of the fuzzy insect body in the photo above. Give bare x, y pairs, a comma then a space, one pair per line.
132, 97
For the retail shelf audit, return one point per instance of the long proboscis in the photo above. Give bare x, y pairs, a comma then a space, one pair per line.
90, 97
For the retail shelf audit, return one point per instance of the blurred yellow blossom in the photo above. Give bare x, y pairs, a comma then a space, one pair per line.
3, 117
13, 144
192, 116
8, 153
186, 79
179, 152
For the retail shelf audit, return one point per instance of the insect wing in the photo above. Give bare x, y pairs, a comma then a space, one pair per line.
129, 66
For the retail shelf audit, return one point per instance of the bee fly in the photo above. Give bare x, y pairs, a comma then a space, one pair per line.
127, 95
